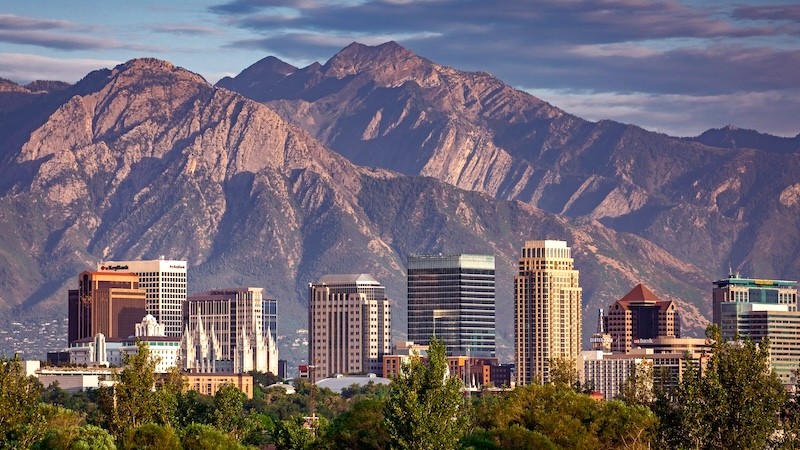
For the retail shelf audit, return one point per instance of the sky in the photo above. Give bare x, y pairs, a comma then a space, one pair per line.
677, 67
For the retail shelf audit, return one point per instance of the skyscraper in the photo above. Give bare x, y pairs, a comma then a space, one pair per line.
547, 310
349, 325
641, 315
107, 303
165, 283
453, 298
761, 309
736, 289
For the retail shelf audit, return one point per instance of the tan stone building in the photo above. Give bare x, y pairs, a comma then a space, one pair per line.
547, 310
349, 325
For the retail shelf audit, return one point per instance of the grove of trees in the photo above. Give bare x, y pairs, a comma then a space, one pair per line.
735, 402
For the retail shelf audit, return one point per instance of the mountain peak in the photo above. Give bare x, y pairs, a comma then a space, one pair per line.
150, 67
357, 57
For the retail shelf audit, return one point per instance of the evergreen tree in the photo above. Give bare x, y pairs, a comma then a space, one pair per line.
426, 409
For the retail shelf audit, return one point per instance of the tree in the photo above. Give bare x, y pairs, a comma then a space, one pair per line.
134, 400
426, 409
362, 427
292, 434
564, 371
735, 404
205, 437
228, 408
21, 422
638, 387
151, 436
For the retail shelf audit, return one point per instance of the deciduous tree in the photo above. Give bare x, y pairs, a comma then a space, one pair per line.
426, 409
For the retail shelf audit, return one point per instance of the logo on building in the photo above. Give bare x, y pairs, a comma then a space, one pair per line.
117, 267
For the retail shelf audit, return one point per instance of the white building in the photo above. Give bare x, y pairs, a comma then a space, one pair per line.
165, 284
100, 352
224, 333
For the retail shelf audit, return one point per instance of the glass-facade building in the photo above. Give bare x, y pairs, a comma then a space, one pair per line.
452, 297
269, 309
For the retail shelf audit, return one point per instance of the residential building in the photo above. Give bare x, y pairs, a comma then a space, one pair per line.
224, 333
107, 303
607, 373
452, 297
547, 310
641, 315
349, 325
165, 284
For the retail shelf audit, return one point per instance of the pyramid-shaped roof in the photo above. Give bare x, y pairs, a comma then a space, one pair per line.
640, 294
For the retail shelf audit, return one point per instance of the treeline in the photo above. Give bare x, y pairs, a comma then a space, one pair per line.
735, 403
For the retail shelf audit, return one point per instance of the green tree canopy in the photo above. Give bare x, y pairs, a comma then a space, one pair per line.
21, 422
735, 404
426, 409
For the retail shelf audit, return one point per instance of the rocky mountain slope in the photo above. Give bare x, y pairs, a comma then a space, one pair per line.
148, 159
727, 197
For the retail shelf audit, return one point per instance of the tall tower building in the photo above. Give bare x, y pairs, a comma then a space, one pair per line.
762, 309
225, 332
349, 325
453, 298
165, 284
107, 303
641, 315
547, 310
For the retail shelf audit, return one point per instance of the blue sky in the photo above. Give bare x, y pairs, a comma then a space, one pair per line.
669, 66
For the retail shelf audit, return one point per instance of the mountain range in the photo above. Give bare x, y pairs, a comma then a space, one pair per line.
282, 174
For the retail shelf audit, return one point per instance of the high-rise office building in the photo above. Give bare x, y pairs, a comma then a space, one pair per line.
349, 325
640, 314
165, 283
107, 303
547, 310
225, 333
750, 290
761, 309
453, 298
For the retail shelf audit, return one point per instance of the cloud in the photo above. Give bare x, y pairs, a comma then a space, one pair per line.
770, 12
185, 29
684, 115
57, 41
12, 22
24, 68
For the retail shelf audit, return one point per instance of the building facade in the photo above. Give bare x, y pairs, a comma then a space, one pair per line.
102, 352
453, 298
269, 322
224, 333
736, 289
759, 321
165, 284
547, 310
641, 315
107, 303
349, 325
